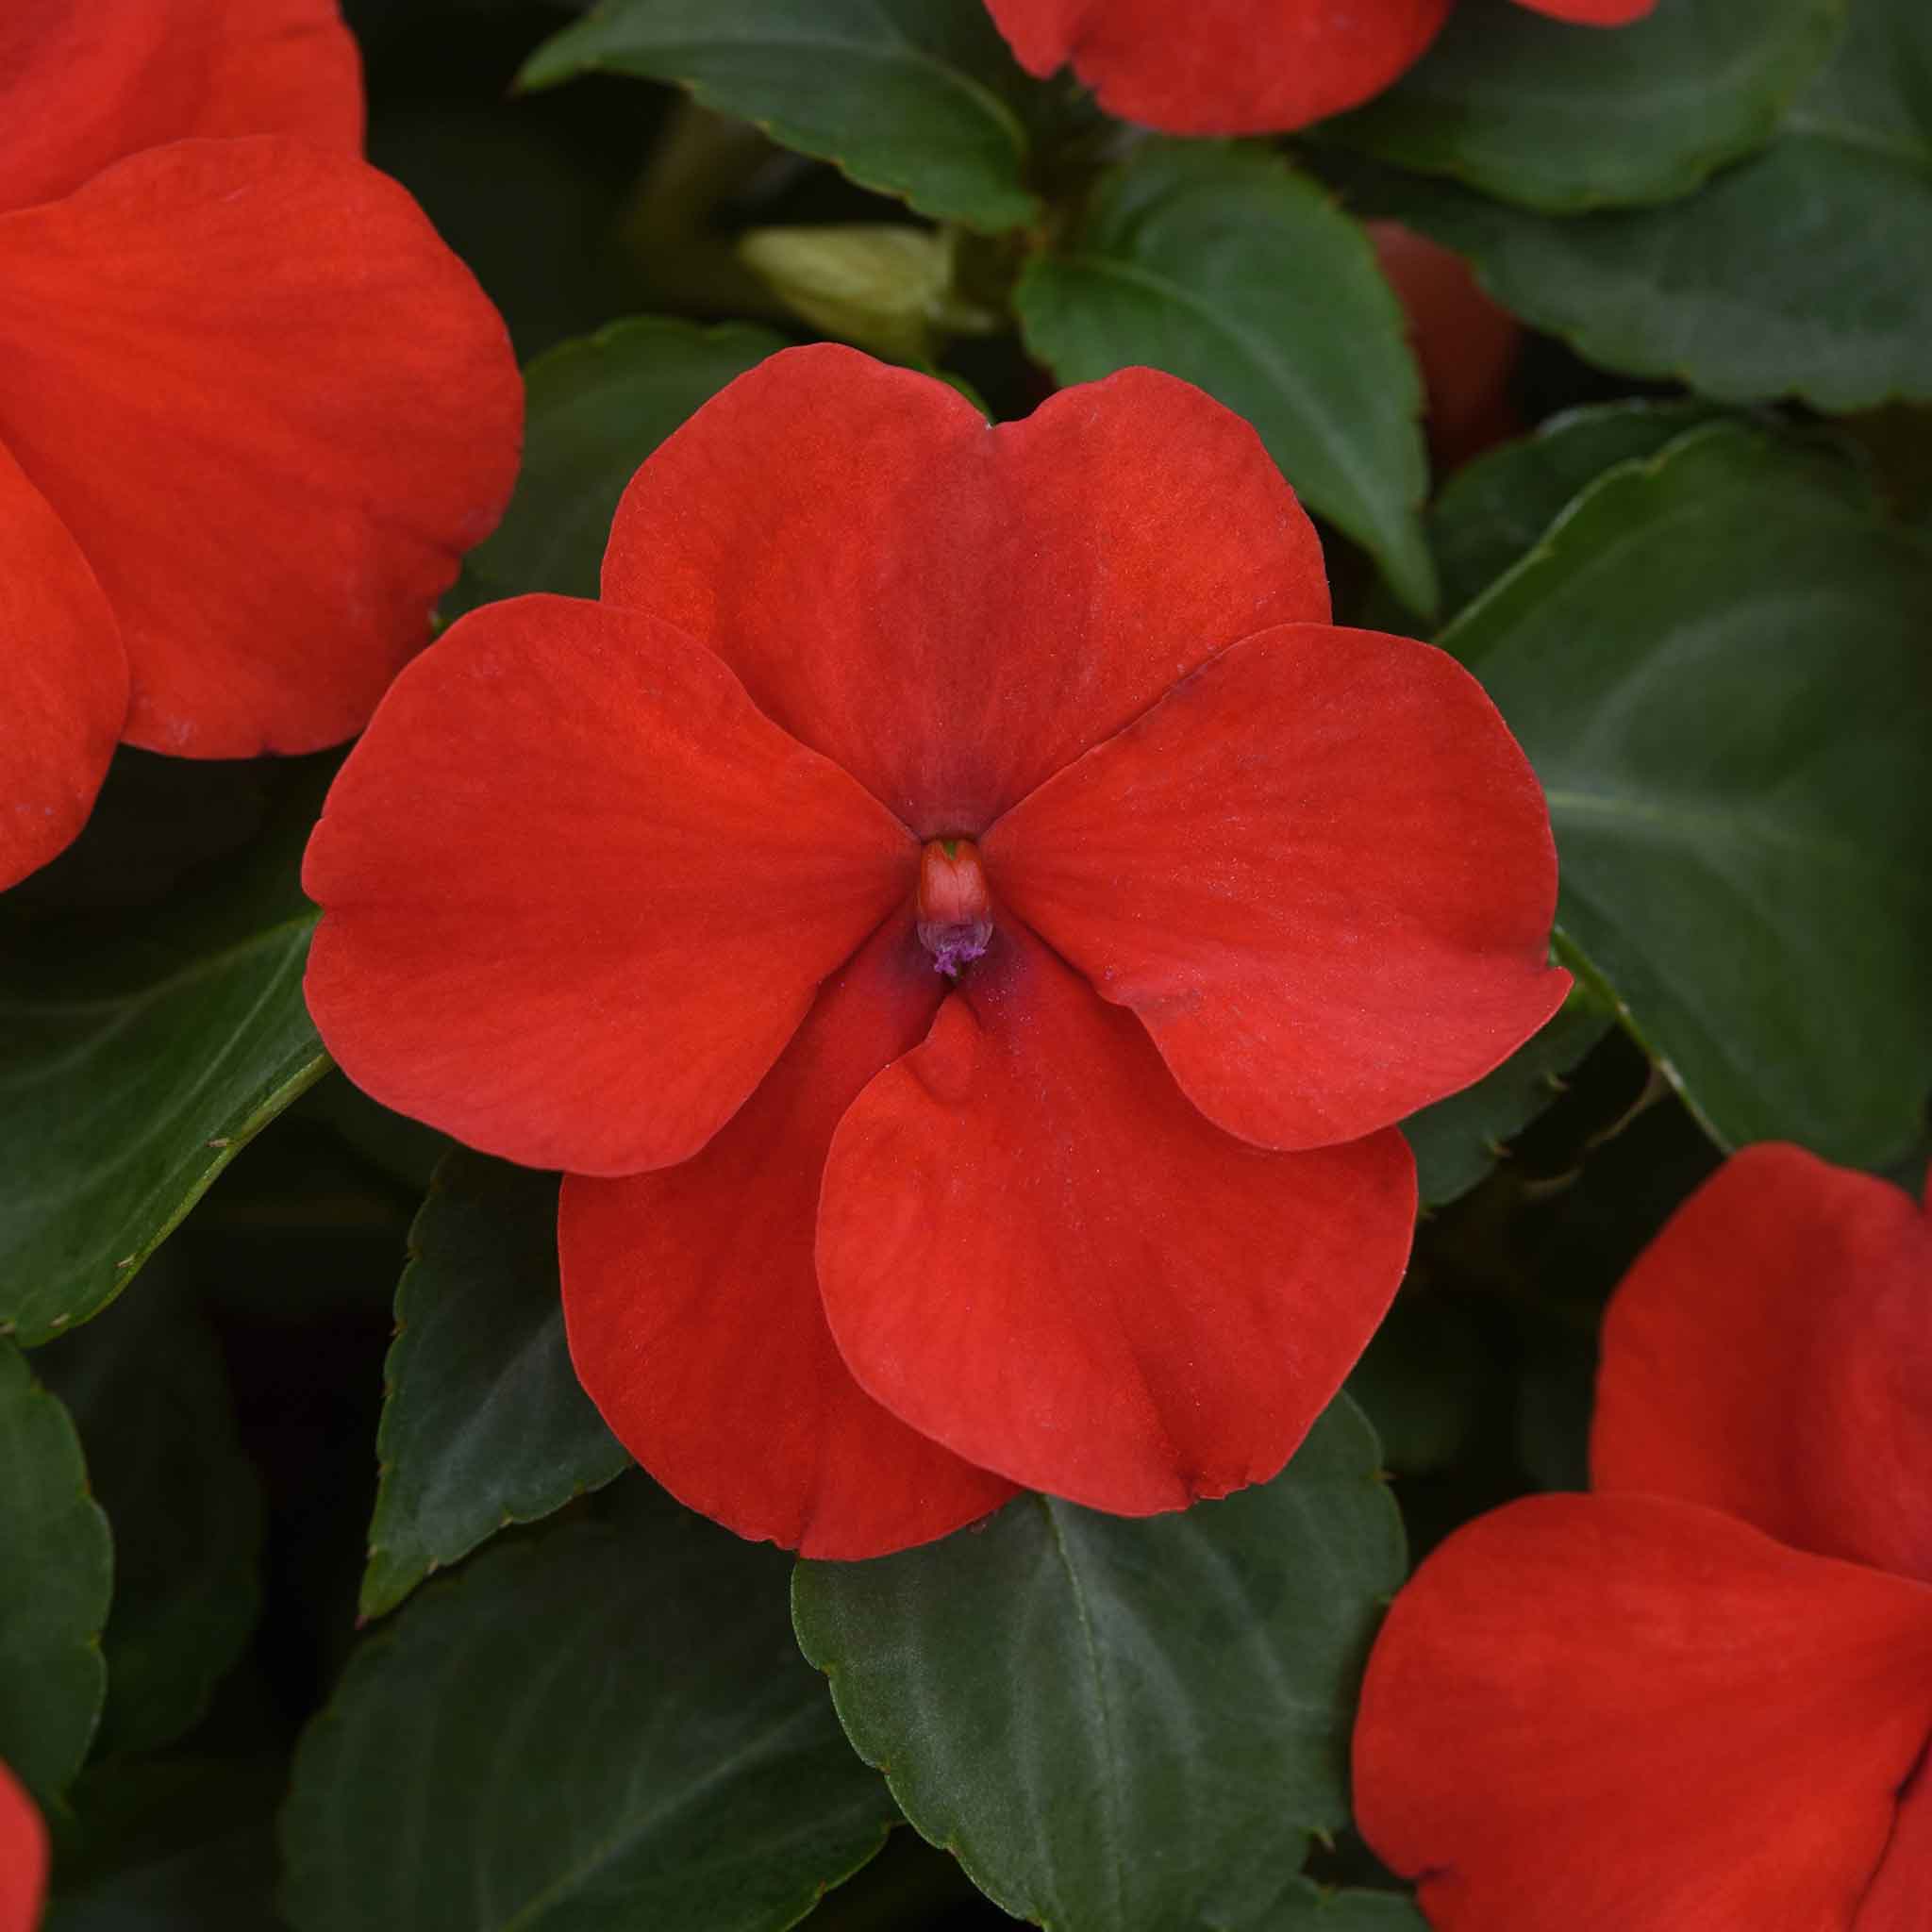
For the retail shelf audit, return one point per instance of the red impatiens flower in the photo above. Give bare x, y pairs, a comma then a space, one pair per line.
1244, 66
1699, 1698
1467, 346
252, 410
966, 923
23, 1858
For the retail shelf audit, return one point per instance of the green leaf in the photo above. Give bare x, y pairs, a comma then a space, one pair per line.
1225, 266
1307, 1907
916, 98
605, 1725
136, 1060
1563, 118
1717, 663
596, 408
1495, 510
1459, 1139
483, 1420
149, 1393
56, 1562
1803, 271
1122, 1723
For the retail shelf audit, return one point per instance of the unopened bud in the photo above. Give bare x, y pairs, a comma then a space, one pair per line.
954, 910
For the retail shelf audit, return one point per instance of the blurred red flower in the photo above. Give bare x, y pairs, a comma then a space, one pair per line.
966, 923
23, 1858
1700, 1697
253, 410
1244, 66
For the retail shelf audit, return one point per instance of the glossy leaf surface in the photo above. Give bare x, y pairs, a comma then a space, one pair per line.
1717, 664
1120, 1723
1531, 111
1227, 268
912, 97
607, 1725
483, 1420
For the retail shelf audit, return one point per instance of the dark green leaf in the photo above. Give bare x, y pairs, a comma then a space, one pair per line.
1495, 510
56, 1562
1306, 1908
1717, 663
1457, 1141
1225, 266
1560, 117
917, 98
607, 1725
1422, 1379
483, 1420
150, 1396
1119, 1723
1803, 271
137, 1059
597, 408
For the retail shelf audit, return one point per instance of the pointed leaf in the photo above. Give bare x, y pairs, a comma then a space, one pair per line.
1717, 663
57, 1563
1553, 116
1119, 1723
1225, 266
916, 98
606, 1725
484, 1423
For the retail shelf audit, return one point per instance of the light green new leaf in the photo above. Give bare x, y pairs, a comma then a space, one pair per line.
916, 98
1117, 1724
607, 1725
484, 1423
1556, 116
57, 1563
1717, 662
1225, 266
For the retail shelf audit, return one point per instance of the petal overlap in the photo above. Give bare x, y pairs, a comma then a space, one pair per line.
1233, 66
1630, 1714
63, 680
692, 1304
579, 893
82, 87
272, 451
950, 611
1770, 1355
1036, 1251
1320, 871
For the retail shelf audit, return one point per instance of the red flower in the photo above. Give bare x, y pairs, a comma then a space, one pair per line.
1698, 1699
1467, 345
23, 1858
654, 891
253, 410
1244, 66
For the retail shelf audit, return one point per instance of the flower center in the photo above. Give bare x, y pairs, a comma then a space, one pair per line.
954, 909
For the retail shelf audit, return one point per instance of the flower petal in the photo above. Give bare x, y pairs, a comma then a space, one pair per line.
1320, 871
23, 1858
1771, 1353
1034, 1250
579, 893
1903, 1883
274, 410
1233, 66
953, 611
63, 680
1593, 12
694, 1313
81, 87
1627, 1714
